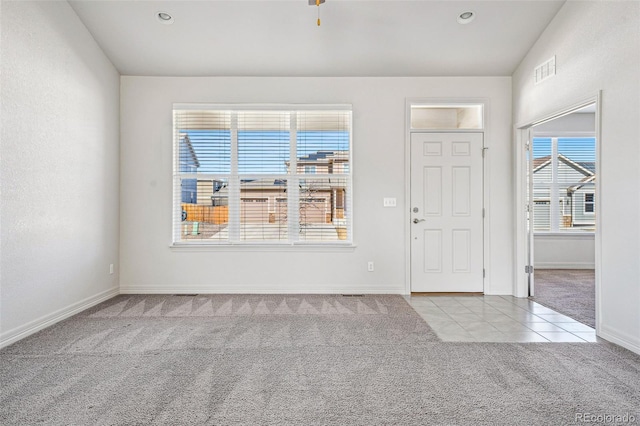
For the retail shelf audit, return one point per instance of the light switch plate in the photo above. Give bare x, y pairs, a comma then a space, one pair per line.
389, 202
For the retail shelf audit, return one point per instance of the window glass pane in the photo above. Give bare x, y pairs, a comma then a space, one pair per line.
204, 139
205, 217
323, 211
567, 180
263, 142
323, 152
541, 215
263, 210
580, 150
444, 117
589, 203
322, 142
263, 152
542, 176
205, 151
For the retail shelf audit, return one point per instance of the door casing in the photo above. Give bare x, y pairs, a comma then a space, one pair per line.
522, 249
485, 178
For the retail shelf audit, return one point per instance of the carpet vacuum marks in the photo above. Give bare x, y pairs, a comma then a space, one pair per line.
297, 360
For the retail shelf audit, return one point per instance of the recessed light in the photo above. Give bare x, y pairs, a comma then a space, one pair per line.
466, 17
164, 18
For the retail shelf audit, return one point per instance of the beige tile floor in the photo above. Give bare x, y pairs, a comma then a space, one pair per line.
497, 319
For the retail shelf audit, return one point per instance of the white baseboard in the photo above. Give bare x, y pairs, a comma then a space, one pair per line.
253, 289
48, 320
564, 265
621, 339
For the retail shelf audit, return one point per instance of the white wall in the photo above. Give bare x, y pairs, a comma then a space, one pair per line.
597, 47
577, 123
149, 265
59, 174
569, 251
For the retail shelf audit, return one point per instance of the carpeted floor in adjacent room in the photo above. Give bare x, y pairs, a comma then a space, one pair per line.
297, 360
571, 292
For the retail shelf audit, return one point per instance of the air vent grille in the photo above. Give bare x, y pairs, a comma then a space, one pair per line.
545, 70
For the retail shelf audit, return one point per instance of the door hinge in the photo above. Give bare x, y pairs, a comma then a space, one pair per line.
528, 269
527, 146
484, 150
484, 273
483, 212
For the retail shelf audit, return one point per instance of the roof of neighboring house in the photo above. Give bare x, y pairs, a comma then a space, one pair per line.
589, 165
587, 168
185, 139
276, 184
586, 180
324, 157
540, 161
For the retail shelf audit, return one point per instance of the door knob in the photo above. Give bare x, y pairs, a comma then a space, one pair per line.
418, 220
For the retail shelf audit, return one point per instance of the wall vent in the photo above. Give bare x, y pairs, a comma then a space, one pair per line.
545, 70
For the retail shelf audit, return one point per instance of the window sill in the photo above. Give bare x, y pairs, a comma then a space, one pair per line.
566, 234
328, 248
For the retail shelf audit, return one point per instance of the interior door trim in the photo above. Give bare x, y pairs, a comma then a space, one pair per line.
485, 179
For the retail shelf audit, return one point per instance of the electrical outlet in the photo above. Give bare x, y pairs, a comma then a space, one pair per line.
388, 202
111, 268
370, 266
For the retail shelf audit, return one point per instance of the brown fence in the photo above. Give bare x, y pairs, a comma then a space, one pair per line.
217, 215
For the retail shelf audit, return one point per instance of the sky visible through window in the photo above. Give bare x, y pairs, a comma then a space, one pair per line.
576, 149
259, 152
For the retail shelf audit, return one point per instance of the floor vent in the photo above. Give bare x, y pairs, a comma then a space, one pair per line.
353, 295
185, 295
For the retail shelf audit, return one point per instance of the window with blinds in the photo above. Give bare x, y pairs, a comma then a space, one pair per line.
564, 177
275, 175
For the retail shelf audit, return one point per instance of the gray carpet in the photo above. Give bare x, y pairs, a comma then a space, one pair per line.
297, 360
571, 292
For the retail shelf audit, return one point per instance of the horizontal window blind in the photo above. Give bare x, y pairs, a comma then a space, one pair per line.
263, 142
262, 175
564, 176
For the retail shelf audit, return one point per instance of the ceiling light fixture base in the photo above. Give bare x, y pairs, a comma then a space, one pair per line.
164, 18
466, 17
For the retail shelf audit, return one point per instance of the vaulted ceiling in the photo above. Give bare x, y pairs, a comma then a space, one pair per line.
281, 38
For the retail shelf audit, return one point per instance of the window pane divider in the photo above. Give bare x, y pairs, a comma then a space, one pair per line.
293, 210
234, 184
553, 189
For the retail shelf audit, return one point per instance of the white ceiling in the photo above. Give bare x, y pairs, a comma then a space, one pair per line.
280, 37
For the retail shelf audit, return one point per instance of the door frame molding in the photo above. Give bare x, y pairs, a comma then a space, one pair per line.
485, 178
521, 134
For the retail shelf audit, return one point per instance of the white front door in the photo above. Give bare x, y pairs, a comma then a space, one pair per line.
446, 212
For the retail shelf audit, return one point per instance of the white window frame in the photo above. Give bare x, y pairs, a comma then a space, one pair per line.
292, 182
592, 203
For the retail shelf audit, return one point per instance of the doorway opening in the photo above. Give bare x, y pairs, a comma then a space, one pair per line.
562, 202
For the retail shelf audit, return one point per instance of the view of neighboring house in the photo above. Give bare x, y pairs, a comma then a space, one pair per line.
188, 164
323, 162
572, 191
321, 200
